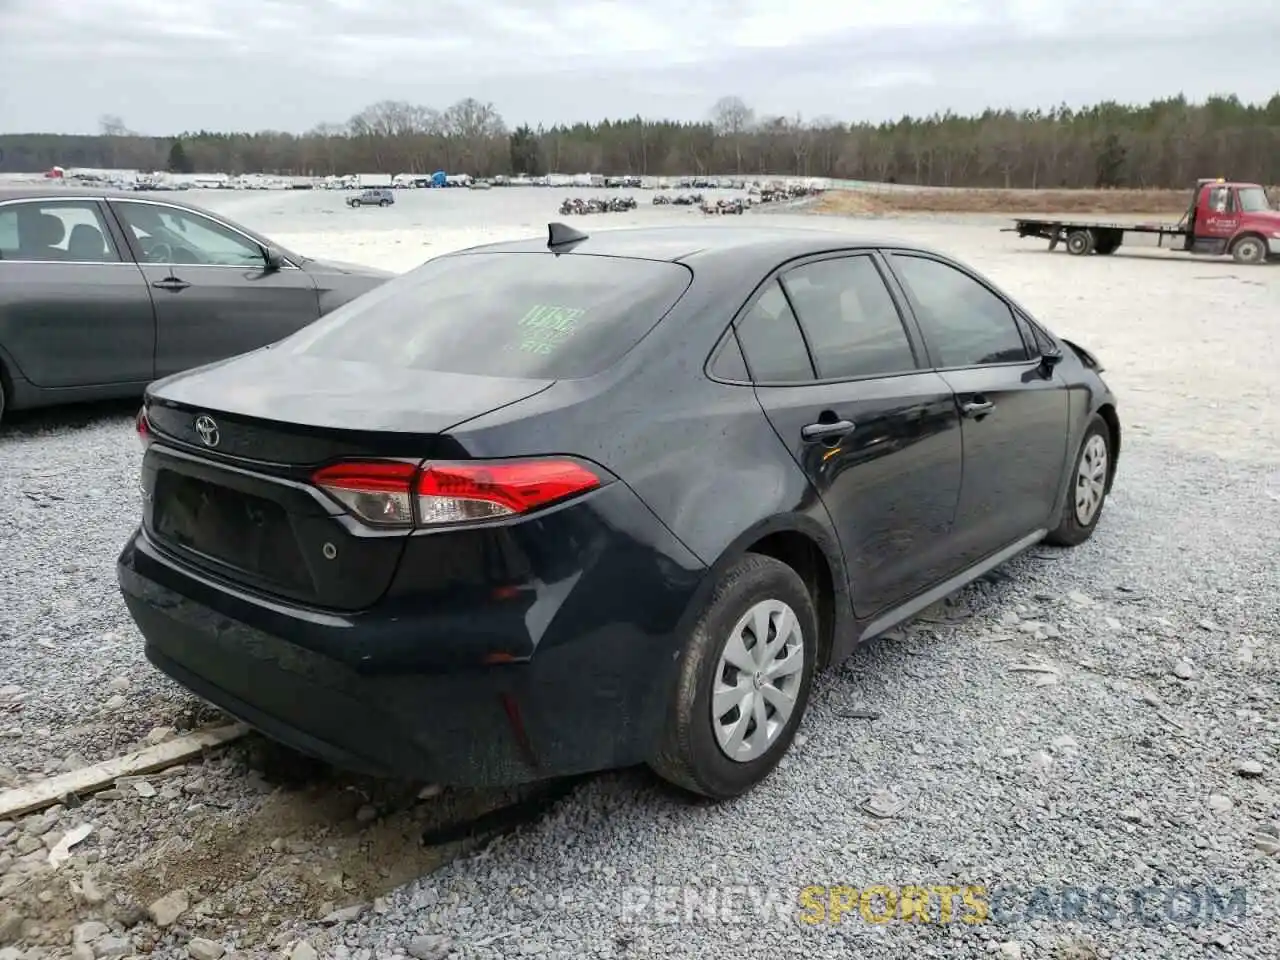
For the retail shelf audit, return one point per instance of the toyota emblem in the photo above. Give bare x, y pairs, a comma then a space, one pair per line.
207, 430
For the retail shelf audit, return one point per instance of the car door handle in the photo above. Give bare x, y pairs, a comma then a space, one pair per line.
826, 430
977, 408
171, 283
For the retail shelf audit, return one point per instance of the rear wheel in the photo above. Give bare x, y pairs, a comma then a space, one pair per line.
1080, 242
1249, 250
744, 681
1108, 242
2, 398
1088, 492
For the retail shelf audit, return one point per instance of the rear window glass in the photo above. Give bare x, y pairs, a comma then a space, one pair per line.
523, 315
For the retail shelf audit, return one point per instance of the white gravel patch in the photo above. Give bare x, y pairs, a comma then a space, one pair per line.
1143, 753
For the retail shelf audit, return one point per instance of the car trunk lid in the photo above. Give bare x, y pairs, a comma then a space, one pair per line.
330, 401
226, 476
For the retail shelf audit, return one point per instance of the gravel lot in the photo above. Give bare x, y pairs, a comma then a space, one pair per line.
1141, 752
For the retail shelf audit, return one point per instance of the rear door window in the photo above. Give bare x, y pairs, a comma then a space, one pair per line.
522, 315
55, 230
772, 342
729, 363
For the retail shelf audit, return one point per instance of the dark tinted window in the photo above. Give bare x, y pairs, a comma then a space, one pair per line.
728, 363
772, 342
849, 318
502, 315
965, 323
56, 230
1039, 336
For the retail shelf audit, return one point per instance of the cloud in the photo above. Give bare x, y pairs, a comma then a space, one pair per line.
290, 64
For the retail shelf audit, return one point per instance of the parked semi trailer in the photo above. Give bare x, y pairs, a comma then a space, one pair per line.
1224, 217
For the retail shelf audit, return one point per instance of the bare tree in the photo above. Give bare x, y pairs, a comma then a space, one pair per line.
387, 126
732, 118
476, 127
471, 119
801, 140
112, 126
323, 143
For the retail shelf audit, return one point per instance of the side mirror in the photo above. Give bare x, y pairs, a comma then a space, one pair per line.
273, 257
1050, 358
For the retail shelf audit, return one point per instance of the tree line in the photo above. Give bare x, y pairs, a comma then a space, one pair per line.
1165, 143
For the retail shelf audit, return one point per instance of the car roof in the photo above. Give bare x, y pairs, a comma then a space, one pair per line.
704, 243
90, 193
40, 192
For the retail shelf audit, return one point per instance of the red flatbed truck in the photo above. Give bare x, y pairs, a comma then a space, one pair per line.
1225, 217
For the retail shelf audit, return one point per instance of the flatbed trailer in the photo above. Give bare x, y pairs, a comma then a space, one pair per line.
1223, 218
1082, 237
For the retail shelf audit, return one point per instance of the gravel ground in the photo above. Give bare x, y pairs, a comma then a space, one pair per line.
1140, 751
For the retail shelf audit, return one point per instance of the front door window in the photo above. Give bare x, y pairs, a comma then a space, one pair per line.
171, 236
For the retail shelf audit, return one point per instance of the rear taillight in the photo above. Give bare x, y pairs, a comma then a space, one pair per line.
379, 492
398, 494
458, 492
143, 427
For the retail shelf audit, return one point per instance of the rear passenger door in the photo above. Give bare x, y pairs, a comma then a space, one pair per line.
1014, 406
838, 373
75, 310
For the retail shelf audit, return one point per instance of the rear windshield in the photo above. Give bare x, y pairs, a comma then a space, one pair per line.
526, 315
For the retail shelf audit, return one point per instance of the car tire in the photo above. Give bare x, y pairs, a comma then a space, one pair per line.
1249, 250
1087, 491
2, 396
694, 752
1108, 242
1080, 242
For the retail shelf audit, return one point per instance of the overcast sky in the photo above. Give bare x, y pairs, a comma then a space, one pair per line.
165, 66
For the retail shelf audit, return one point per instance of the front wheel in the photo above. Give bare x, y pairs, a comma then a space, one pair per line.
1249, 250
744, 681
1090, 479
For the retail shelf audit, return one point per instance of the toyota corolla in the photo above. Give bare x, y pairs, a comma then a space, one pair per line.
556, 506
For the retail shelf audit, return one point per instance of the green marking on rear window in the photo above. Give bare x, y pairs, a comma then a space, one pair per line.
544, 327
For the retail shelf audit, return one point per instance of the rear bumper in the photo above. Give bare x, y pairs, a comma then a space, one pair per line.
350, 690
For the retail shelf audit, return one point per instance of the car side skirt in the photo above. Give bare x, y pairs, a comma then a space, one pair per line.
906, 611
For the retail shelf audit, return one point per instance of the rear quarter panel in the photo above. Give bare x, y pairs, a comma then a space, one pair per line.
700, 454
